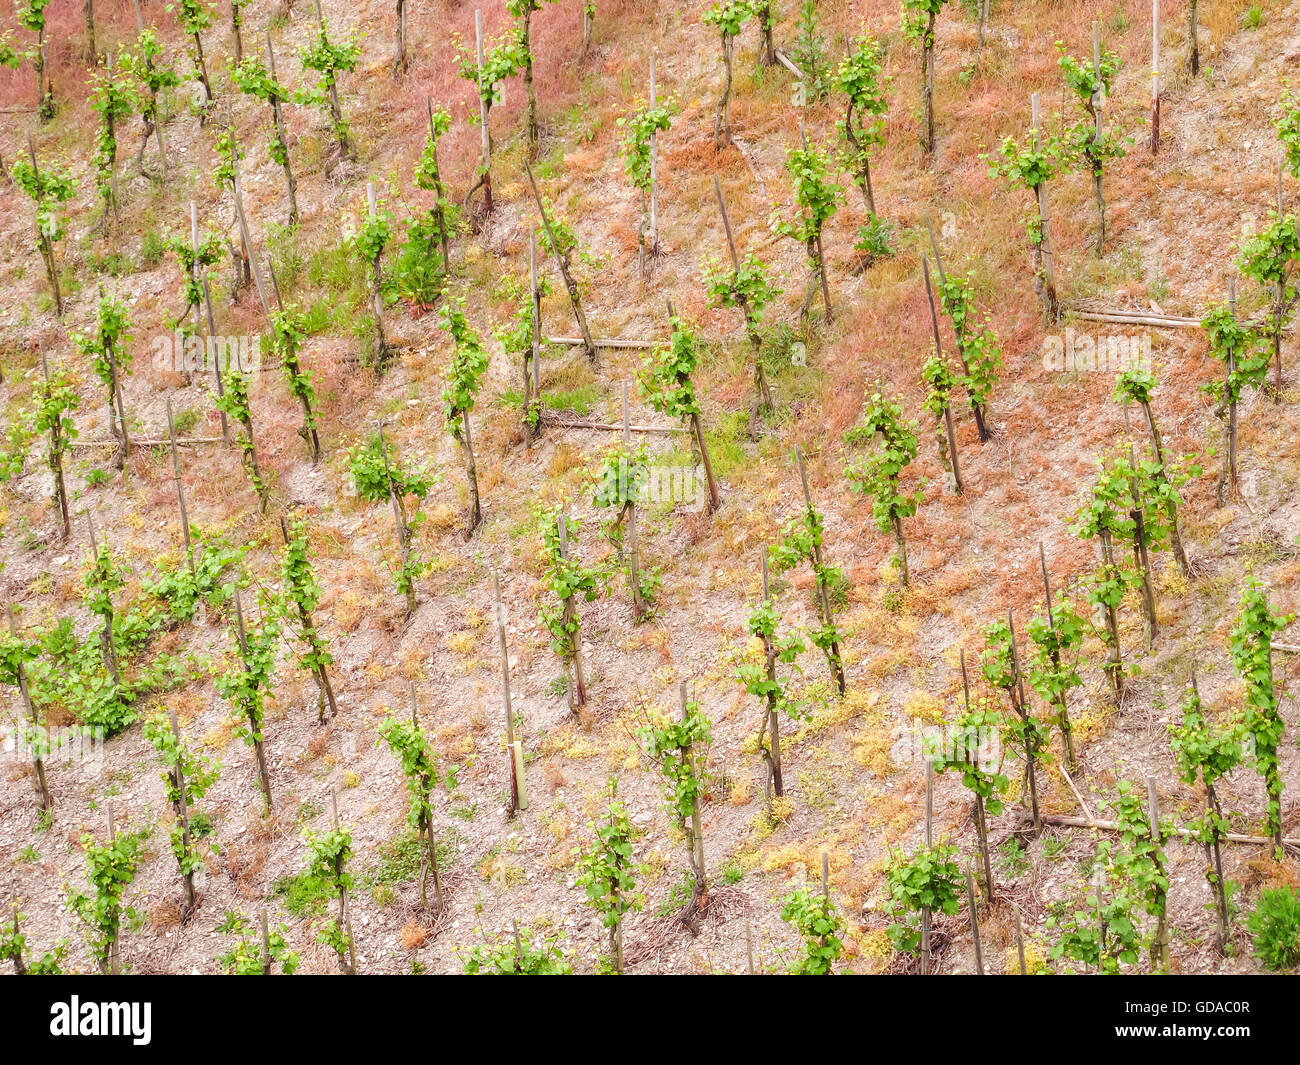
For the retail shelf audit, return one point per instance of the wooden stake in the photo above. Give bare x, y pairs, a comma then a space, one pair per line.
180, 495
654, 170
929, 842
1063, 714
500, 612
484, 105
266, 941
376, 297
399, 515
182, 808
570, 616
277, 116
1160, 943
633, 564
755, 340
248, 243
1022, 708
202, 277
823, 595
974, 923
1020, 944
1051, 309
38, 763
954, 460
157, 114
695, 835
258, 748
1155, 76
571, 286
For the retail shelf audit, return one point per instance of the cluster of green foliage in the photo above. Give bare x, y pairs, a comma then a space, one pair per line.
566, 578
1055, 642
419, 766
47, 186
181, 591
1252, 657
108, 346
288, 331
1288, 132
1205, 753
253, 79
468, 364
1275, 927
929, 880
1237, 346
56, 402
861, 78
329, 60
619, 482
639, 129
375, 482
967, 749
774, 690
808, 52
607, 874
190, 840
229, 153
817, 198
415, 274
328, 855
247, 957
666, 379
1001, 668
978, 347
145, 66
113, 100
13, 942
802, 540
669, 743
522, 954
110, 869
72, 676
821, 928
193, 261
234, 402
247, 685
748, 288
1084, 143
877, 475
301, 597
1130, 879
1269, 257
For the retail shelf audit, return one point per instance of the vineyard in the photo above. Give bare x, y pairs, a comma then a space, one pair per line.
593, 486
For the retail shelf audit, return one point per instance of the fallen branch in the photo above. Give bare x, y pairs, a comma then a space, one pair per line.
1082, 805
784, 60
560, 420
1119, 316
577, 342
1113, 826
148, 443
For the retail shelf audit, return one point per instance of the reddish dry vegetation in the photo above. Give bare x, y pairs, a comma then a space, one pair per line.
1175, 222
